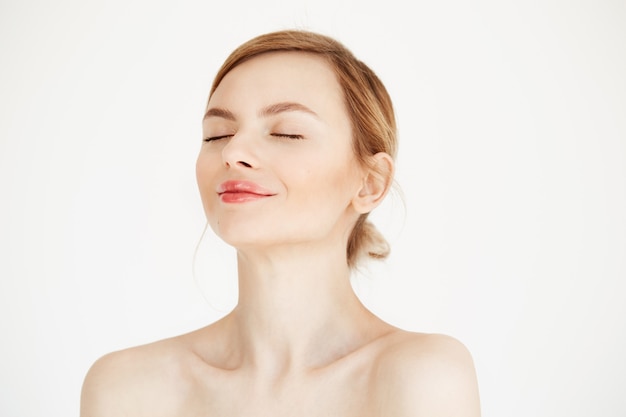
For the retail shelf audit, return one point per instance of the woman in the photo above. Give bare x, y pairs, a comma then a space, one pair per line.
299, 139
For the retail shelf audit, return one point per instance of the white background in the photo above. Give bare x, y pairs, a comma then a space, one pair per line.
511, 235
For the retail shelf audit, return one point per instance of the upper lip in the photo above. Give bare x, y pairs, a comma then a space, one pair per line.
241, 186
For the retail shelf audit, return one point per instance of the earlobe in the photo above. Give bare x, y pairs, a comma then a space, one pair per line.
376, 183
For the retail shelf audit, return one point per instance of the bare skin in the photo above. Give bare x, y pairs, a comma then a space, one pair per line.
299, 341
399, 374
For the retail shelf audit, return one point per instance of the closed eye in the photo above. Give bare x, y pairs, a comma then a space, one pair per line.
212, 138
287, 135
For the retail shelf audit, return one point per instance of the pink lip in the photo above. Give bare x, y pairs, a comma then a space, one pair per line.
241, 191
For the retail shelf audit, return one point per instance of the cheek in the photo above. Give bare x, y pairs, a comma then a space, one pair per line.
204, 179
327, 186
200, 174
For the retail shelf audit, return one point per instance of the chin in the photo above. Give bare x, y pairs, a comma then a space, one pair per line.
240, 234
256, 238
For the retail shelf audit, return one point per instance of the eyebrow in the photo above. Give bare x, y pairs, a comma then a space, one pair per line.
270, 110
218, 112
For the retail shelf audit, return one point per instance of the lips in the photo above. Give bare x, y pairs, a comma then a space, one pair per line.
235, 191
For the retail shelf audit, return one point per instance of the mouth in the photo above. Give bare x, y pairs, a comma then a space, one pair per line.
234, 191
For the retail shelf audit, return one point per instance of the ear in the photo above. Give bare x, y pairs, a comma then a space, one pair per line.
377, 180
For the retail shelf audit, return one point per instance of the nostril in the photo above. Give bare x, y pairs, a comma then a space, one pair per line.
245, 164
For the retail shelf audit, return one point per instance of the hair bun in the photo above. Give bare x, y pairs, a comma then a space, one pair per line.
366, 242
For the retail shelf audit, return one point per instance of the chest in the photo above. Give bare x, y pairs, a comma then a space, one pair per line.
324, 395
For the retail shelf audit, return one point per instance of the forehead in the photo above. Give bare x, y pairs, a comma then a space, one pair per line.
281, 76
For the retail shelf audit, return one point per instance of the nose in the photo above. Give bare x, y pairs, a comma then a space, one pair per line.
239, 152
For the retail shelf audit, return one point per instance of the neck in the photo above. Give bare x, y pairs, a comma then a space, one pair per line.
297, 310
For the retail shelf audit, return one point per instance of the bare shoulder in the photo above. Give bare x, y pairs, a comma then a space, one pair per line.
145, 380
427, 374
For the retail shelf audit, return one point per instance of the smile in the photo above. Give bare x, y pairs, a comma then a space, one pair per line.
242, 192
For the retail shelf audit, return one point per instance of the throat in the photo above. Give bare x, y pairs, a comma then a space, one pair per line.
299, 341
299, 321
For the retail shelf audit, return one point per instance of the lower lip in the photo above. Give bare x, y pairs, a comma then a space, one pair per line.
241, 197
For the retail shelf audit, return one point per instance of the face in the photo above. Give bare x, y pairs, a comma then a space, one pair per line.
276, 165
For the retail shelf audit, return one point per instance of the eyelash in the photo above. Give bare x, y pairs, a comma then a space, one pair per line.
278, 135
212, 138
287, 135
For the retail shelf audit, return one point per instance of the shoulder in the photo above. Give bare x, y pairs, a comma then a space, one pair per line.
427, 374
150, 378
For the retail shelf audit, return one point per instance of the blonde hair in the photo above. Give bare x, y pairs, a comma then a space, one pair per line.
368, 104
